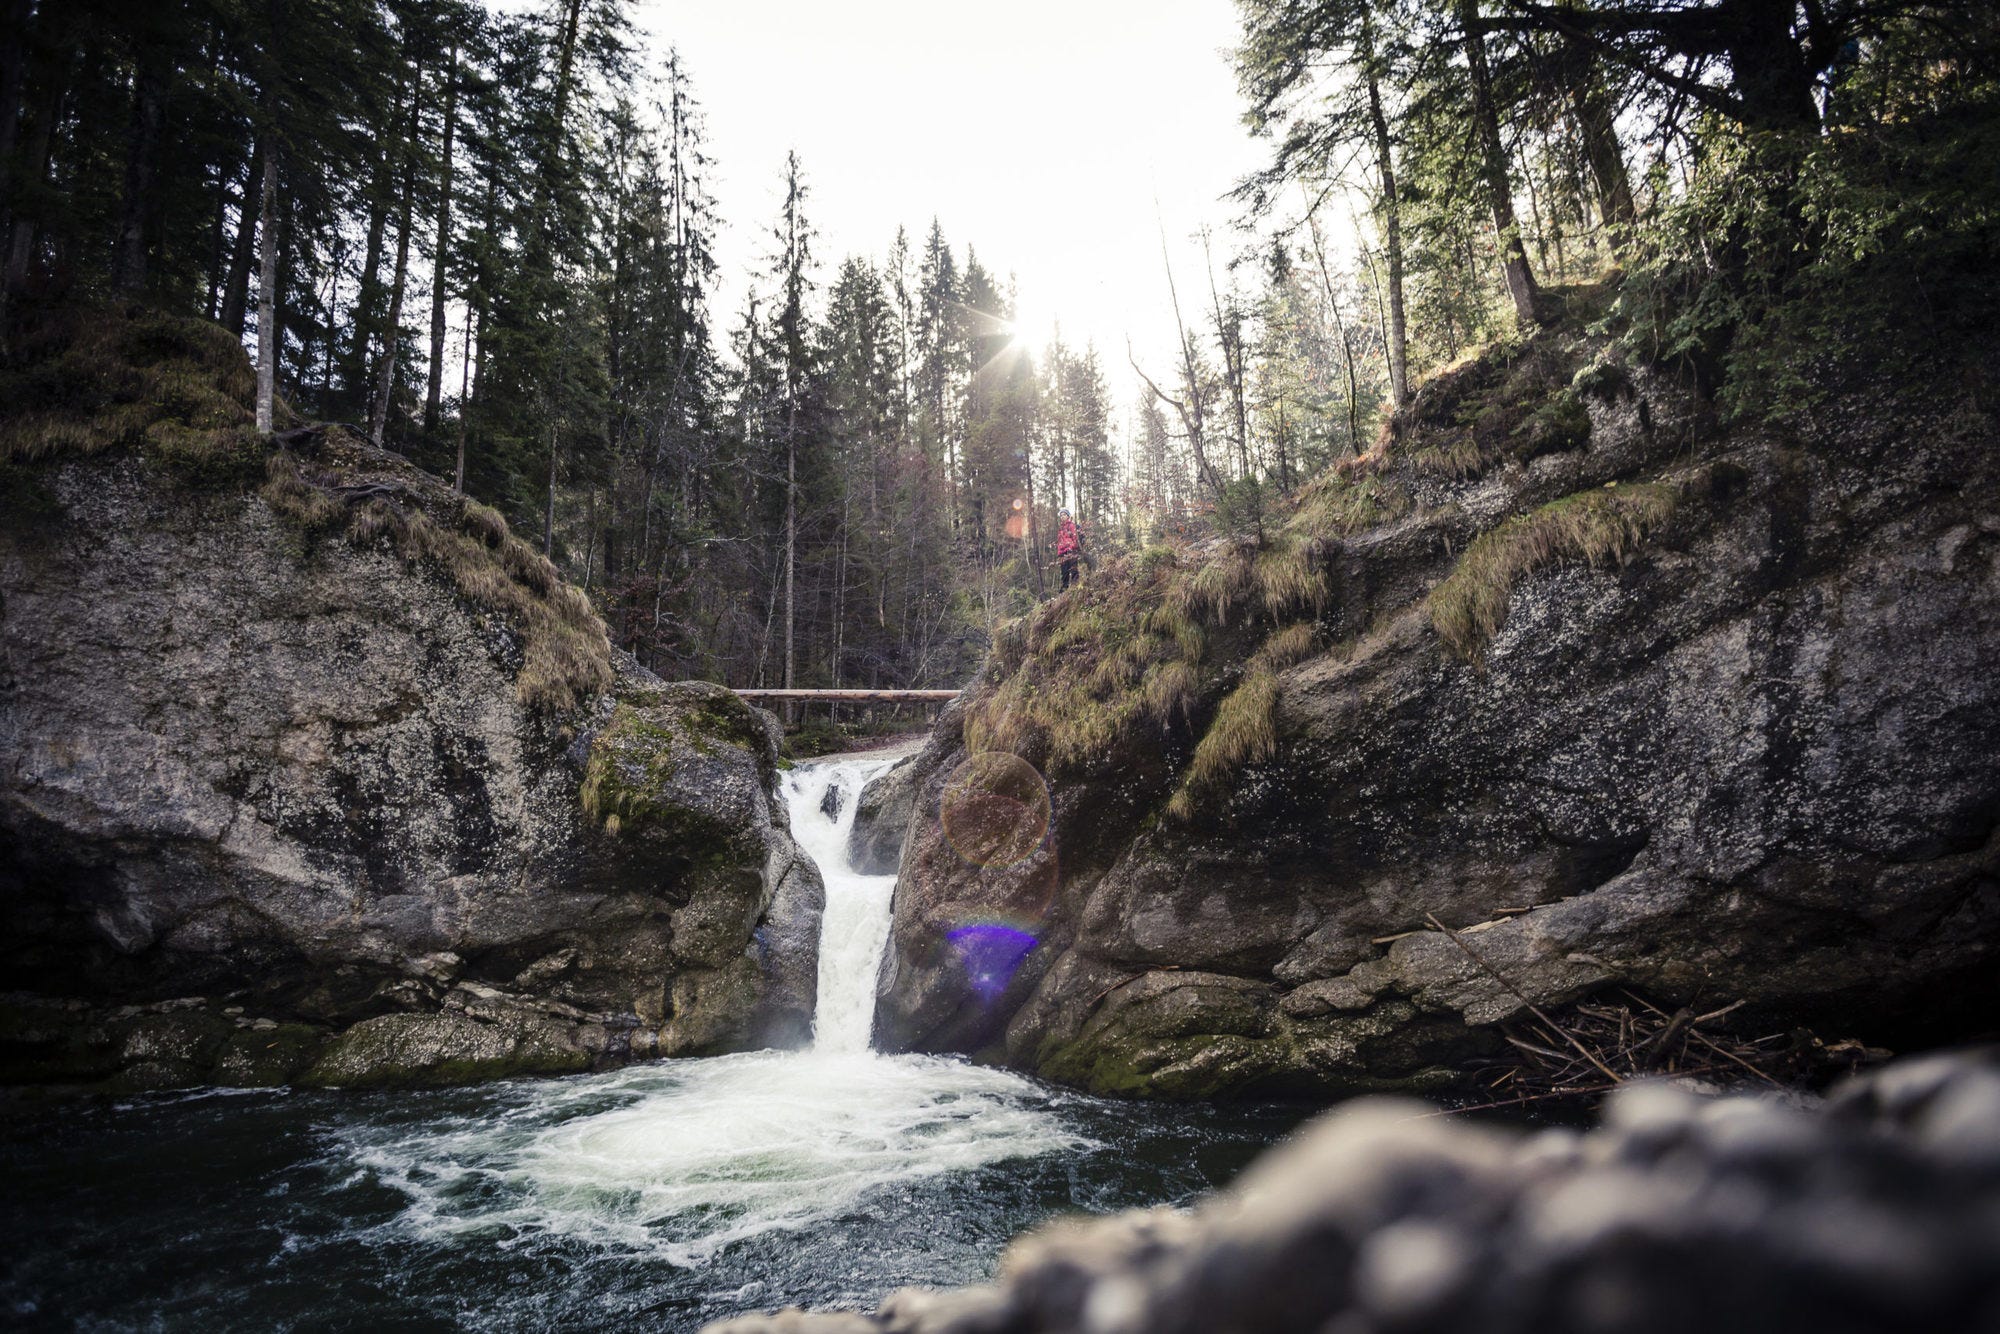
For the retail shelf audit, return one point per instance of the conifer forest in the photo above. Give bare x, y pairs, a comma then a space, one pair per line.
484, 236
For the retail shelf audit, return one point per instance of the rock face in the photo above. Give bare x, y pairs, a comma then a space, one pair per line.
1678, 1213
882, 819
273, 807
1757, 760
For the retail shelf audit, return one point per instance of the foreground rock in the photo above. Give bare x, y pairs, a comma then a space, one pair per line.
1679, 1214
1755, 758
312, 773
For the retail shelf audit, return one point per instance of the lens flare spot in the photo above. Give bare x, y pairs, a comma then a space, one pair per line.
992, 954
995, 809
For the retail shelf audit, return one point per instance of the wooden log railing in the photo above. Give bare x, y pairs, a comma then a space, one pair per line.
849, 696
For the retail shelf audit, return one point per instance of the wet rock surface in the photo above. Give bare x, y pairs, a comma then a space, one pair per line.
1759, 760
272, 809
1872, 1212
882, 819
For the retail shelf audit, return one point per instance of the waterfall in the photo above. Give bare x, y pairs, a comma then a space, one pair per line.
854, 929
681, 1159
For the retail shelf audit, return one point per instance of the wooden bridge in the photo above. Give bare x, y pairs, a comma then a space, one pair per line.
848, 696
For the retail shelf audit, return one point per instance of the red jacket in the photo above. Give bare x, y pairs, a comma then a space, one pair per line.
1068, 540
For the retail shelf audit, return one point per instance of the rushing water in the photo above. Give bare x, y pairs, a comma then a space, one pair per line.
656, 1197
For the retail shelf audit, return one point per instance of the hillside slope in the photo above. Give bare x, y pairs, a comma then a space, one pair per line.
1648, 708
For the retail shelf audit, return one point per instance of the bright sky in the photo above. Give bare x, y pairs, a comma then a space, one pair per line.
1040, 131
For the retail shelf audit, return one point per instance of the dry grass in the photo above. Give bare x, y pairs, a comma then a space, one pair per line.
1245, 728
1454, 458
1337, 504
565, 652
90, 380
1470, 606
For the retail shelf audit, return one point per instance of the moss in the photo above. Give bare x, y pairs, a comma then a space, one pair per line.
172, 389
630, 760
1560, 424
1191, 1069
1469, 607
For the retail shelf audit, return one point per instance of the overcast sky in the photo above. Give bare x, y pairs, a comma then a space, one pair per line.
1039, 131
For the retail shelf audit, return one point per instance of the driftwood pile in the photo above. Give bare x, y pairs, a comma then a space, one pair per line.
1590, 1047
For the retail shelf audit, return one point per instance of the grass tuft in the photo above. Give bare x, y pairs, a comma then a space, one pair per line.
93, 379
1245, 728
1338, 504
1470, 606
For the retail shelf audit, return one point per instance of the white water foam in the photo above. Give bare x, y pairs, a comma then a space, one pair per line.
681, 1158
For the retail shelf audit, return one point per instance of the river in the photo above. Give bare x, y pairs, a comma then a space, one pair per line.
655, 1197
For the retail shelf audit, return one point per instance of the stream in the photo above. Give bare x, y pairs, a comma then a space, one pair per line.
655, 1197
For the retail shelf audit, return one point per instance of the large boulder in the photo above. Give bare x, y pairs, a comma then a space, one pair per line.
320, 775
1680, 1212
1750, 753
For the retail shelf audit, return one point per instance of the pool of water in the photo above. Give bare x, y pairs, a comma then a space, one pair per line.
657, 1197
636, 1200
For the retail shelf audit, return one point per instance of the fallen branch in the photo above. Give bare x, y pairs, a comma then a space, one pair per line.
1515, 991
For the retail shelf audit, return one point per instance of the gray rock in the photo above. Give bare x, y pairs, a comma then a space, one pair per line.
1759, 761
882, 819
294, 773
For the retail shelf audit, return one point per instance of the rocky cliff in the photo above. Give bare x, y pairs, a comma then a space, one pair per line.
311, 772
1639, 705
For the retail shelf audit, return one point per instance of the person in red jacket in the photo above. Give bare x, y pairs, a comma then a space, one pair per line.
1069, 546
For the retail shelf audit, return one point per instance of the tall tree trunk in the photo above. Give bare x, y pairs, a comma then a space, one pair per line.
1346, 344
791, 544
549, 513
1521, 284
464, 402
142, 167
1232, 367
378, 416
1193, 411
1597, 128
381, 203
268, 333
236, 288
433, 383
1392, 222
1768, 65
38, 152
551, 164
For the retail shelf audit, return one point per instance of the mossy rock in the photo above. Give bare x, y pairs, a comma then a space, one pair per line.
444, 1050
682, 764
1201, 1067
